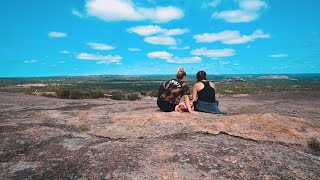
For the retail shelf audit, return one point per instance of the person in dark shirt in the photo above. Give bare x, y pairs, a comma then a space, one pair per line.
204, 95
172, 91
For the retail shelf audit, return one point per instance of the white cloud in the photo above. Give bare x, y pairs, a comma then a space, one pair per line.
174, 32
57, 34
230, 37
221, 63
213, 53
118, 10
179, 60
161, 14
153, 30
31, 61
278, 55
170, 58
113, 10
64, 52
146, 30
179, 48
160, 40
160, 36
100, 46
77, 13
102, 59
134, 49
250, 10
236, 16
213, 3
252, 5
160, 55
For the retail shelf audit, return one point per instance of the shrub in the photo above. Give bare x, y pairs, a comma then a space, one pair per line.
314, 145
96, 94
76, 94
133, 96
127, 96
118, 96
63, 94
153, 93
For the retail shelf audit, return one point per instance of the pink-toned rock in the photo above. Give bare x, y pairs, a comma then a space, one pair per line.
263, 136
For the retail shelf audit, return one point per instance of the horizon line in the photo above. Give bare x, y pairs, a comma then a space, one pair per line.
128, 75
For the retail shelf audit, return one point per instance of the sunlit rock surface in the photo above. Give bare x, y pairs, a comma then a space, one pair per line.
269, 136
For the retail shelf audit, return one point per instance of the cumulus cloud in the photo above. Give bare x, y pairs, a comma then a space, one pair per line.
186, 60
213, 53
249, 10
236, 16
153, 30
120, 10
145, 30
57, 34
170, 58
252, 5
212, 3
157, 35
102, 59
134, 49
160, 40
30, 61
160, 55
230, 37
278, 55
179, 48
100, 46
77, 13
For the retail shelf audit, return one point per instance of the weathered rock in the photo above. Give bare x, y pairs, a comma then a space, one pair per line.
262, 137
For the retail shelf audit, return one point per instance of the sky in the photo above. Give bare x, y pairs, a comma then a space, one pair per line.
140, 37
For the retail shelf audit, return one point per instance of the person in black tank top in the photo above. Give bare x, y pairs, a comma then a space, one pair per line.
204, 95
207, 94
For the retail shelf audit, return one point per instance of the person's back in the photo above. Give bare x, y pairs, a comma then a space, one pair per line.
207, 94
172, 91
203, 95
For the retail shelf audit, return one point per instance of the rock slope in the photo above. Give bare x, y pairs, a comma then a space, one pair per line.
269, 136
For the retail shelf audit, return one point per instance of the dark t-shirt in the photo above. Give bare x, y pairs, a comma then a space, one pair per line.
174, 90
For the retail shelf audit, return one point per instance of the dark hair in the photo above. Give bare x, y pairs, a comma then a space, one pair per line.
181, 73
201, 75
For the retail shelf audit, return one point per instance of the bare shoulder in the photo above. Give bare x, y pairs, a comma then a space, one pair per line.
198, 85
212, 85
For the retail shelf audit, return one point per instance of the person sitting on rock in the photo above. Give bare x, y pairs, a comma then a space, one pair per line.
204, 95
172, 91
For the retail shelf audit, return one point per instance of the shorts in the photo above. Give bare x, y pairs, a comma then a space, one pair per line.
208, 107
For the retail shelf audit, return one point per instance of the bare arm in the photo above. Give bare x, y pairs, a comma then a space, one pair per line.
187, 102
194, 93
214, 87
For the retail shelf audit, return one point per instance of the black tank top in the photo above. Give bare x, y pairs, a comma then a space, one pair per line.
207, 94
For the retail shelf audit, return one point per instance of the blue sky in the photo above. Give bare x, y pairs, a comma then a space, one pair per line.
93, 37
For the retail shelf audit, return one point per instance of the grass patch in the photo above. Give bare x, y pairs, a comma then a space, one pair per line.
84, 127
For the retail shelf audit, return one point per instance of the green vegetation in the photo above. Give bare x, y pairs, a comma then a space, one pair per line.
314, 145
84, 127
131, 87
